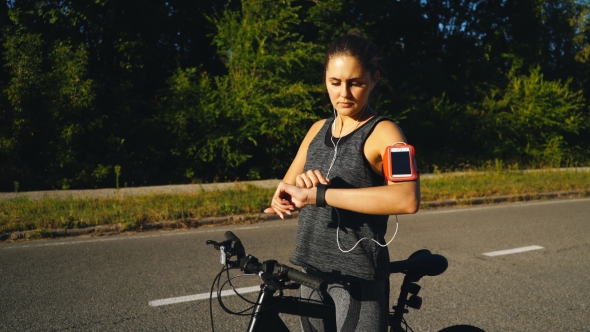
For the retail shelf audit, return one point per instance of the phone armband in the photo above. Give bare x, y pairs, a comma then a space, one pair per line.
399, 163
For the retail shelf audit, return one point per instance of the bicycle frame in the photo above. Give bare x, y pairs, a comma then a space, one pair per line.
408, 287
265, 315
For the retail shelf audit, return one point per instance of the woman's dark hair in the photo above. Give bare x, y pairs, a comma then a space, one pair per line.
366, 53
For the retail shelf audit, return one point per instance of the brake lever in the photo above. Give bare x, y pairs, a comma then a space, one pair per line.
222, 251
223, 257
228, 248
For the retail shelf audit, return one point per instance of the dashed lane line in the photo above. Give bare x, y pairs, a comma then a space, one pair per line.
202, 296
511, 251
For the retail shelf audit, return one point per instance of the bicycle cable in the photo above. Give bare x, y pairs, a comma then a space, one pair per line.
226, 309
242, 313
234, 289
217, 277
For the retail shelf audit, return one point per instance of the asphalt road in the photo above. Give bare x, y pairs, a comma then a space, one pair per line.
107, 283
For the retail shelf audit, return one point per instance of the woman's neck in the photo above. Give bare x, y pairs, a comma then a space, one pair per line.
344, 125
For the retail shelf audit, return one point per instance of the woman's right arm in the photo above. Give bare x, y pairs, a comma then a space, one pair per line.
295, 171
298, 163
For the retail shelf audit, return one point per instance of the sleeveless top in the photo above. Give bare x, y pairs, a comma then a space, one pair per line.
316, 246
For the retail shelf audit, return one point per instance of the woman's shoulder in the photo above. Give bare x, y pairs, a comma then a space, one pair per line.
316, 127
319, 123
312, 132
386, 124
386, 131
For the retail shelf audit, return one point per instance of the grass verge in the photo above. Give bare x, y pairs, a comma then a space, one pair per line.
496, 183
22, 214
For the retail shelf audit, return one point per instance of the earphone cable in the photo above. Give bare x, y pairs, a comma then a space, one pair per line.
340, 137
328, 176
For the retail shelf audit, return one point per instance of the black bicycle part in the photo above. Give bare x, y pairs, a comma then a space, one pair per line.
265, 316
222, 305
232, 246
462, 328
421, 263
276, 277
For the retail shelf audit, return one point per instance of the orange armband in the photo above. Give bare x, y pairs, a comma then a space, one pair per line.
399, 163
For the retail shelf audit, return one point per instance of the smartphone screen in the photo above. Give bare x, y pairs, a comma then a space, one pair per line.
400, 162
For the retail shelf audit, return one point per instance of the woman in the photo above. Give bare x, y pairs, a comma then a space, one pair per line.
336, 180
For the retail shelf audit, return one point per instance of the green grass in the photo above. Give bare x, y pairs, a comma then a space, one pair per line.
487, 184
21, 214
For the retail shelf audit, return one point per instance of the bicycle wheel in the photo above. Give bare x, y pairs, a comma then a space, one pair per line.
462, 328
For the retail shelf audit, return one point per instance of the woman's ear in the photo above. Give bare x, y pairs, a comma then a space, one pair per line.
375, 77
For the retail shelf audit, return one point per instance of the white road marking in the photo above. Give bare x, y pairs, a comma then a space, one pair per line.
202, 296
512, 251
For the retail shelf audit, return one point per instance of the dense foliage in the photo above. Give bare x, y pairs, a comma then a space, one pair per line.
95, 93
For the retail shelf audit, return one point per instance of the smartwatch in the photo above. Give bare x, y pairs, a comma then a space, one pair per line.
320, 199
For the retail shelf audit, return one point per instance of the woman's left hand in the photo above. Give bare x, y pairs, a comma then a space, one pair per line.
289, 198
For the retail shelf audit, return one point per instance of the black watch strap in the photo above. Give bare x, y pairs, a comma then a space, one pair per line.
320, 199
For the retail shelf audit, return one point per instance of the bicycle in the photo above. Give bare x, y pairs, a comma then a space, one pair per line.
278, 277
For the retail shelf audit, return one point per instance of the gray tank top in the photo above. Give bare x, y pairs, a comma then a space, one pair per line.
316, 245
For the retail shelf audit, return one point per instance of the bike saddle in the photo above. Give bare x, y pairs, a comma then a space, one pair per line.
420, 263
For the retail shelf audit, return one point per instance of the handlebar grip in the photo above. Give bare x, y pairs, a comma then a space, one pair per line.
310, 281
215, 244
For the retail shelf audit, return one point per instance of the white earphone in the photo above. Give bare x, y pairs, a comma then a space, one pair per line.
328, 174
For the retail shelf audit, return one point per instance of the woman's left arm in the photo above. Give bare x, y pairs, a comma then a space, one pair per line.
394, 198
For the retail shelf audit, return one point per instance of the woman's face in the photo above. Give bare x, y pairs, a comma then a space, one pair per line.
348, 85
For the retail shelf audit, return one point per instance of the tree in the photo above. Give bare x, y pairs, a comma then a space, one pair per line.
119, 54
48, 108
250, 120
527, 121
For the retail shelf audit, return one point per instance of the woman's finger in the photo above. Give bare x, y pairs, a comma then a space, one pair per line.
281, 207
320, 177
313, 177
299, 181
303, 181
270, 210
276, 211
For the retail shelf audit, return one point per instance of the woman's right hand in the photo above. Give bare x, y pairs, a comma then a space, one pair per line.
310, 179
283, 202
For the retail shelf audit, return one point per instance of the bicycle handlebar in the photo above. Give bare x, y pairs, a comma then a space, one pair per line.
269, 270
310, 281
421, 263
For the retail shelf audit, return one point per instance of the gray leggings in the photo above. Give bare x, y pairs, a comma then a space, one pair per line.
360, 306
